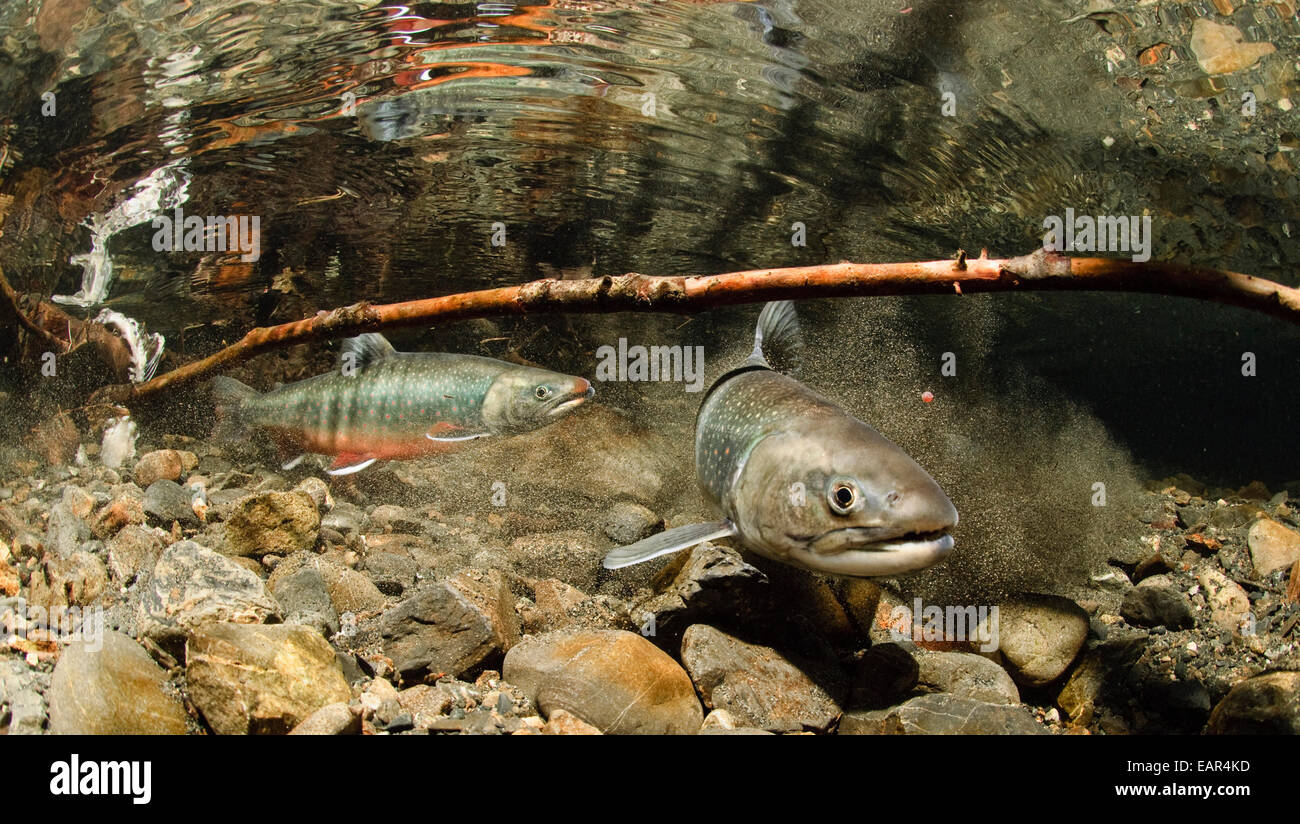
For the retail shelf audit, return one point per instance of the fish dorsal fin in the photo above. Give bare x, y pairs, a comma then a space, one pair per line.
778, 340
363, 350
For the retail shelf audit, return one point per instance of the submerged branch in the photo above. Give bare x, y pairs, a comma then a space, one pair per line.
689, 294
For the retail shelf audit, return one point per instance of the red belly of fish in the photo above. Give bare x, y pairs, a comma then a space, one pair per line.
379, 448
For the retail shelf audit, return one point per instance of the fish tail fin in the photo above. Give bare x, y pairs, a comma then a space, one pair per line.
229, 396
778, 339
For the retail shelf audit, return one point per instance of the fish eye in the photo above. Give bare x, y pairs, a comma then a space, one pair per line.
843, 496
542, 392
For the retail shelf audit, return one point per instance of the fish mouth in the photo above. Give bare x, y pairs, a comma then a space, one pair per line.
845, 552
565, 406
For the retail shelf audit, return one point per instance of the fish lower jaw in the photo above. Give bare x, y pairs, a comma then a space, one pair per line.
563, 408
892, 557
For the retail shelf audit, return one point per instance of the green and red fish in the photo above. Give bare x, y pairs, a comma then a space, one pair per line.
382, 404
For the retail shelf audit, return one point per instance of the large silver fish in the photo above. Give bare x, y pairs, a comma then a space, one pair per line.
799, 480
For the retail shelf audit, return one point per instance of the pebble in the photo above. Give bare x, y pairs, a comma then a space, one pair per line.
1272, 546
65, 532
943, 714
1039, 636
67, 582
132, 551
615, 680
22, 698
304, 599
627, 522
163, 464
453, 626
563, 722
192, 586
1229, 603
1222, 49
1157, 606
967, 675
349, 590
166, 501
1266, 704
278, 523
331, 719
757, 684
884, 674
707, 582
250, 678
111, 687
121, 511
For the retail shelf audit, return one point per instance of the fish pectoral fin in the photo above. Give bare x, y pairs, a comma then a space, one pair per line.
668, 541
293, 462
346, 464
450, 433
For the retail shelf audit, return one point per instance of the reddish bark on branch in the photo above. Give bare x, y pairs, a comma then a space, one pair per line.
688, 294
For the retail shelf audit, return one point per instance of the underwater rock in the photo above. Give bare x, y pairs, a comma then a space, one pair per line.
278, 523
1272, 546
1078, 698
78, 501
1222, 49
615, 680
305, 600
392, 572
75, 581
163, 464
628, 522
379, 702
966, 675
331, 719
115, 689
349, 590
1229, 603
943, 714
249, 678
166, 502
571, 555
117, 513
453, 626
1039, 636
192, 586
707, 581
21, 697
54, 439
132, 551
1267, 704
1157, 606
344, 518
65, 532
318, 491
757, 684
883, 675
563, 722
390, 518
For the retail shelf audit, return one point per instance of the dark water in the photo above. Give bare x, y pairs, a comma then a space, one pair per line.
382, 147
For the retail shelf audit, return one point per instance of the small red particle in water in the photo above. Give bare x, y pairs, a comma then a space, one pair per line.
927, 396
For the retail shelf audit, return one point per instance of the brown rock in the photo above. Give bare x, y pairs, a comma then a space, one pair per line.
563, 722
1222, 49
111, 688
1272, 546
456, 626
756, 684
331, 719
55, 439
279, 523
161, 464
1229, 604
250, 678
116, 514
1039, 636
68, 582
131, 551
1267, 704
614, 680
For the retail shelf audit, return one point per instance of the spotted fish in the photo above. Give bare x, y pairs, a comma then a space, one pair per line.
800, 480
382, 404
